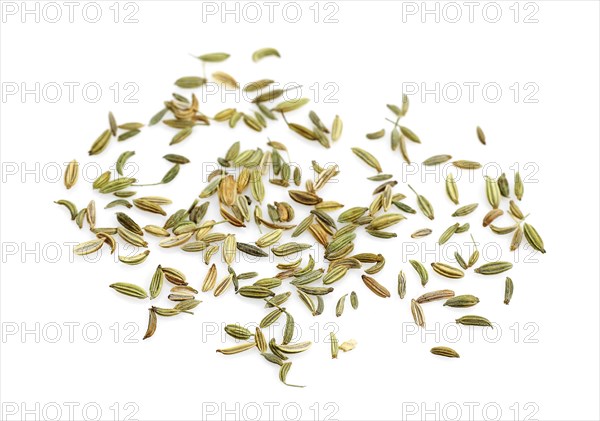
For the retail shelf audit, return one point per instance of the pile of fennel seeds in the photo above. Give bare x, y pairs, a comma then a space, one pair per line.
240, 187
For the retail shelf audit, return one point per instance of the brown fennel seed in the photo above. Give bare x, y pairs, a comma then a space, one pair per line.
376, 287
71, 174
480, 135
418, 314
239, 187
152, 321
491, 216
444, 351
447, 271
435, 296
421, 233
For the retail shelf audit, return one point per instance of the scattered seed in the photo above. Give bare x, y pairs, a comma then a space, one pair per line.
444, 351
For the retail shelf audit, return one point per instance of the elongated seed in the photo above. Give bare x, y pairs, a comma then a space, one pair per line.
465, 210
481, 135
335, 275
462, 301
336, 128
130, 290
491, 216
446, 235
436, 160
444, 351
421, 271
289, 248
376, 135
100, 143
503, 230
516, 239
460, 261
237, 348
401, 285
474, 321
255, 292
70, 206
71, 174
503, 185
508, 290
376, 287
519, 187
515, 210
269, 238
152, 321
304, 198
339, 308
467, 165
223, 285
354, 300
367, 158
492, 192
157, 283
238, 332
435, 296
533, 238
424, 205
447, 270
251, 250
452, 189
417, 312
494, 268
135, 260
421, 233
334, 345
295, 348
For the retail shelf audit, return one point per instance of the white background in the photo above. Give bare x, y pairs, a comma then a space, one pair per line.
544, 361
